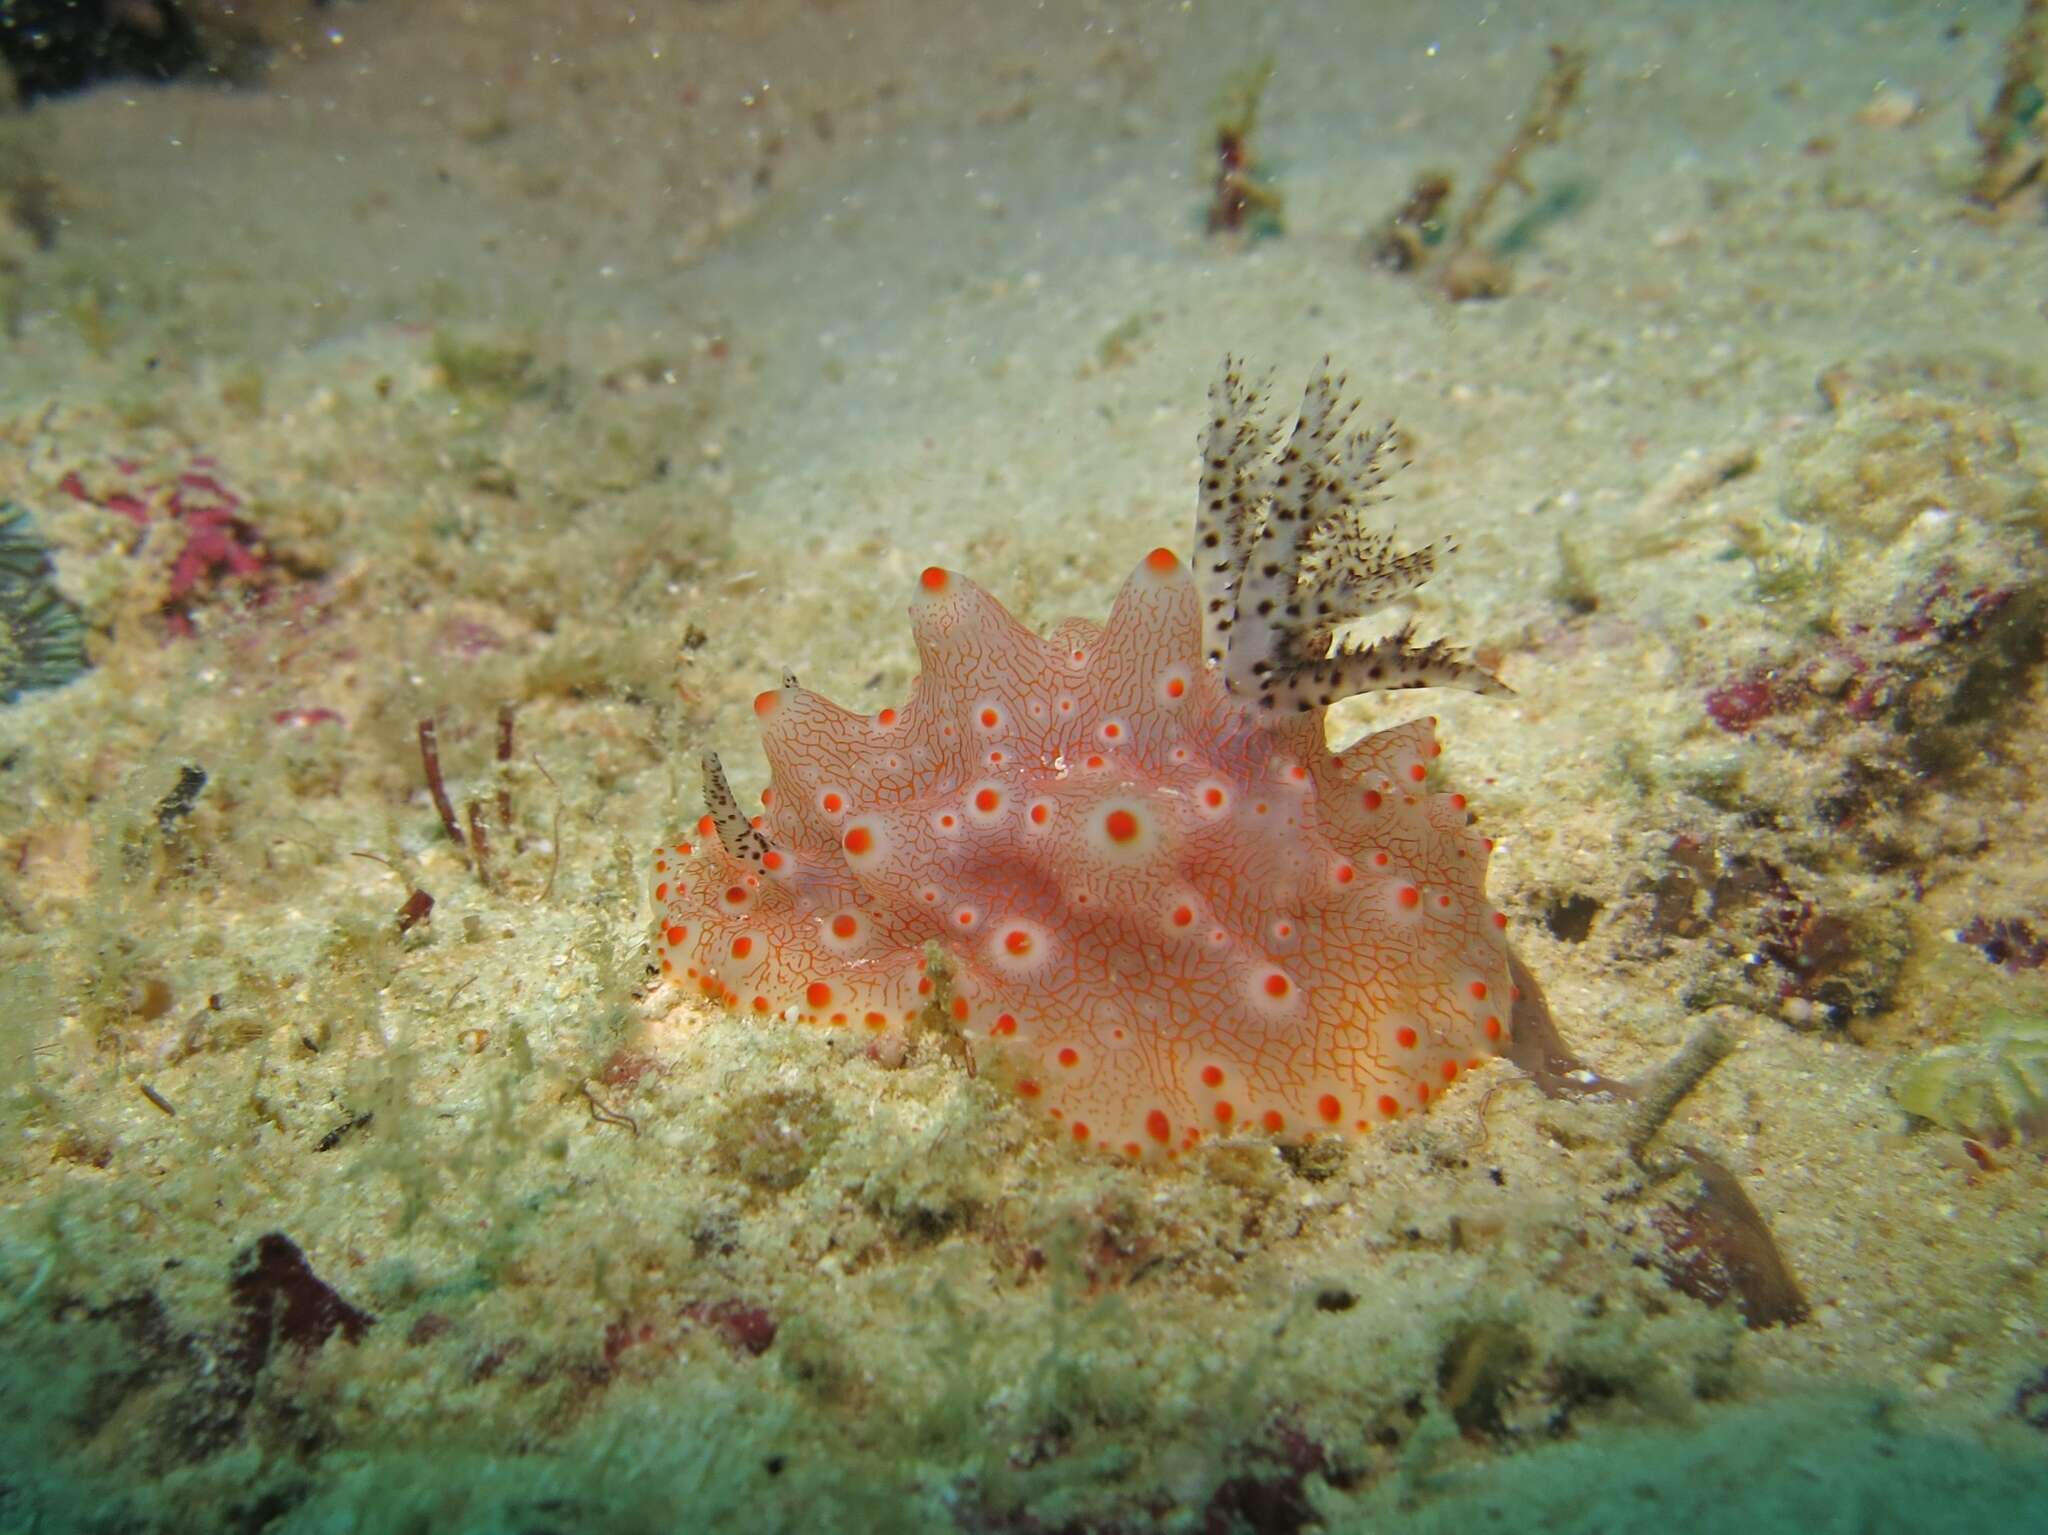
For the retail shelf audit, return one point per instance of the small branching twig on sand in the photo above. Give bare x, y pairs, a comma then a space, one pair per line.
1241, 199
475, 845
430, 762
1468, 269
1704, 1049
2010, 141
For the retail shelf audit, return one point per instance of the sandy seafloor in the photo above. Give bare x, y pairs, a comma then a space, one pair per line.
603, 360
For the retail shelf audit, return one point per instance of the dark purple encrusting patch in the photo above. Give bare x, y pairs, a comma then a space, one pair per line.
1944, 658
1841, 965
2008, 942
1812, 947
1275, 1496
1702, 885
202, 1387
1742, 703
746, 1329
1717, 1248
279, 1299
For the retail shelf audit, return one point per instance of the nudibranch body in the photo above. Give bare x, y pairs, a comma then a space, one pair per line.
1164, 901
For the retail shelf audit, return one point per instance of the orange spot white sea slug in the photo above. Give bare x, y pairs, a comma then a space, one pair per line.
1169, 906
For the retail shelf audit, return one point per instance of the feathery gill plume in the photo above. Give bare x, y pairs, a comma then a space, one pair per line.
1285, 557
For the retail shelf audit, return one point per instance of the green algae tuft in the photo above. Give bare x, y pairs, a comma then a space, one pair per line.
1993, 1088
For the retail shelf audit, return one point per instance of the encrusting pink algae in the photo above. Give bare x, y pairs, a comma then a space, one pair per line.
1166, 904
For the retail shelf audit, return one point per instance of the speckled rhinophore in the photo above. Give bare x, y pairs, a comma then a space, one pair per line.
1166, 902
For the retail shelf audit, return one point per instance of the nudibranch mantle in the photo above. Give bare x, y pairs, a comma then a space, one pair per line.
1166, 905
